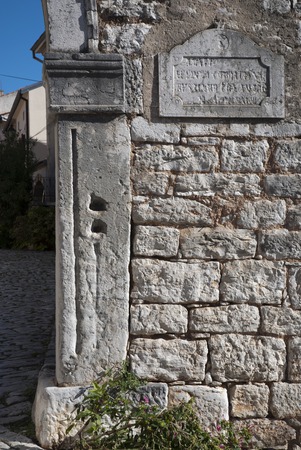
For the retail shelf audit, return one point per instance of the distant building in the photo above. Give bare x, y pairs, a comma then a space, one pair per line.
6, 103
28, 118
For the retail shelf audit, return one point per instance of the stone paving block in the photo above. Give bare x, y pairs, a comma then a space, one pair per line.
218, 243
225, 319
175, 282
158, 319
156, 241
249, 400
247, 358
245, 156
253, 281
169, 360
211, 403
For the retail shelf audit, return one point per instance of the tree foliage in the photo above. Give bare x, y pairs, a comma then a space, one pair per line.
17, 163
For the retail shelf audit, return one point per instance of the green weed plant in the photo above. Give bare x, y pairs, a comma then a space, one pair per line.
118, 414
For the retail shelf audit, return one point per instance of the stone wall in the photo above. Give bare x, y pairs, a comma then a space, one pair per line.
215, 299
215, 306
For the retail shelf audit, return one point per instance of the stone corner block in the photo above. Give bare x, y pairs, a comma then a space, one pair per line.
54, 409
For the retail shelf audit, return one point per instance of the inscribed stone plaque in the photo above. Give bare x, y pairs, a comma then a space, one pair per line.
221, 73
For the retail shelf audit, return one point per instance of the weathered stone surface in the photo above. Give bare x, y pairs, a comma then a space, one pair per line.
247, 358
211, 403
248, 401
133, 85
93, 253
294, 360
288, 155
204, 141
144, 131
158, 319
53, 405
262, 214
199, 129
266, 433
280, 244
169, 360
211, 76
285, 400
225, 319
175, 282
156, 241
176, 158
149, 183
127, 39
209, 185
74, 35
259, 282
156, 393
293, 220
106, 89
281, 321
140, 9
294, 286
171, 211
278, 6
283, 185
281, 129
245, 156
218, 243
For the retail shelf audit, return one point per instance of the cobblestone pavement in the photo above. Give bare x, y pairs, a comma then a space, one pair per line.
27, 283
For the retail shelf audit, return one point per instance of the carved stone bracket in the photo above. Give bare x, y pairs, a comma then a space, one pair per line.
85, 82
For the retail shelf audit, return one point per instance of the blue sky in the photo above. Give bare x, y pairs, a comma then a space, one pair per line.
21, 24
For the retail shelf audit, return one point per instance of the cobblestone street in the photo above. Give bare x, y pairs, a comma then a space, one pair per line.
27, 286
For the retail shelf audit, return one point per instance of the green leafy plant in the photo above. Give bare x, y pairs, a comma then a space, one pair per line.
119, 414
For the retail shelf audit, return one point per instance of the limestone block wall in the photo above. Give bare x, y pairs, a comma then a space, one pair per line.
216, 233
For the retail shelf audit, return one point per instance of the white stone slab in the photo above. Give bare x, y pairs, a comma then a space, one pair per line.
221, 73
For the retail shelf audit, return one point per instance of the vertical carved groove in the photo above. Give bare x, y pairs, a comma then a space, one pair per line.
75, 231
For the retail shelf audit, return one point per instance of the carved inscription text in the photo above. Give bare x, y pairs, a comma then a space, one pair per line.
220, 81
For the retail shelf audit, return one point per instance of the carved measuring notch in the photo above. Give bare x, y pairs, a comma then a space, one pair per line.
98, 204
221, 73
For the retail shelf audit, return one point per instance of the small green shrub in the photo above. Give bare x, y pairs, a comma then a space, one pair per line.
117, 414
35, 230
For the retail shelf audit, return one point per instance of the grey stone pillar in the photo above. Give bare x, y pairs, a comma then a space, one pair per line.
86, 108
